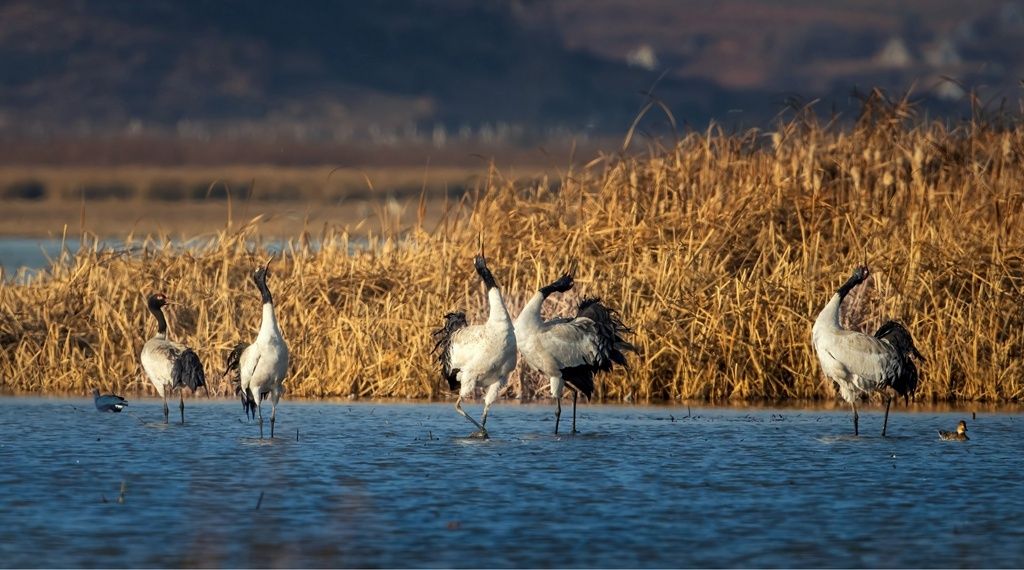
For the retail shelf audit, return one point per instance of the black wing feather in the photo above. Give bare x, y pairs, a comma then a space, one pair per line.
233, 364
453, 322
611, 346
187, 371
897, 335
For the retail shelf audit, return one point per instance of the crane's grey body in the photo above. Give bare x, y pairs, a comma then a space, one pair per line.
570, 350
108, 402
158, 357
862, 364
169, 365
478, 356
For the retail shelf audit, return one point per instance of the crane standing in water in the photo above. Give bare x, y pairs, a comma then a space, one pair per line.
571, 350
262, 365
861, 364
478, 356
170, 365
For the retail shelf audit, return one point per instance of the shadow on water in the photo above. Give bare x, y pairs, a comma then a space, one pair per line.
401, 485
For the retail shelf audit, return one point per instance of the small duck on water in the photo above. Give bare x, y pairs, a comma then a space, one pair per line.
959, 435
108, 402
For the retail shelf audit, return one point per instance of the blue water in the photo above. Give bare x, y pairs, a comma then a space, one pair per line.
398, 485
32, 253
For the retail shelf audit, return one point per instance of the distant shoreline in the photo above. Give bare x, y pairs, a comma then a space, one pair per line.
112, 202
695, 406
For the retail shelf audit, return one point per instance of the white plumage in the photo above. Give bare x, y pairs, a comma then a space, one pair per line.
478, 356
169, 365
570, 350
262, 365
861, 364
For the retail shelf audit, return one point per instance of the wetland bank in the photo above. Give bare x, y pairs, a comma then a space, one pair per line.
718, 250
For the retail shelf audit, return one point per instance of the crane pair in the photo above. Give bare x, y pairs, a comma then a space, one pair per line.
259, 368
568, 350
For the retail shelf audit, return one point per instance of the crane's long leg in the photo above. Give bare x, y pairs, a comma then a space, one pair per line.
458, 408
259, 409
575, 394
855, 430
558, 412
490, 397
181, 404
167, 411
273, 416
885, 423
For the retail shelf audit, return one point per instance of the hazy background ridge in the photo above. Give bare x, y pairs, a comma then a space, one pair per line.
439, 74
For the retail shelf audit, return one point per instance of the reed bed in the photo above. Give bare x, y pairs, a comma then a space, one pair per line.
718, 250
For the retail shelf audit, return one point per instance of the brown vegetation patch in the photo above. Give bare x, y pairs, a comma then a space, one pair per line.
718, 251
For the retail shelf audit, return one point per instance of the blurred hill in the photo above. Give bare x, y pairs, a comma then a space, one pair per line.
459, 72
314, 69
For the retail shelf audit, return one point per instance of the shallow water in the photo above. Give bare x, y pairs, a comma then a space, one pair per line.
32, 254
399, 485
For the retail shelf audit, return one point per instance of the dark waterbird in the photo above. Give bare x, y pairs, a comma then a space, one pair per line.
108, 402
959, 435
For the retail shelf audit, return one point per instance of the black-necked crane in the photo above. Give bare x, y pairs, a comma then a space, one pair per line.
108, 402
571, 350
170, 365
262, 365
478, 356
861, 364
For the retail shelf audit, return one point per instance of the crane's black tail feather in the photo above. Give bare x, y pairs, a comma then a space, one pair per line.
611, 345
187, 371
453, 322
610, 330
233, 366
905, 382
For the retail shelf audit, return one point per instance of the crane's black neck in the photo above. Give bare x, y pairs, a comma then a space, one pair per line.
260, 279
487, 277
161, 322
560, 285
848, 286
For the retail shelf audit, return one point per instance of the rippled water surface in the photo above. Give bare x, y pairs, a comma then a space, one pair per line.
399, 485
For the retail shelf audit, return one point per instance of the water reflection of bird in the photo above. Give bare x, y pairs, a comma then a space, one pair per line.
861, 364
108, 402
262, 365
570, 350
478, 356
959, 435
170, 365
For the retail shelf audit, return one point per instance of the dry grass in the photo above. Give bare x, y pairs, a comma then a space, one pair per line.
719, 251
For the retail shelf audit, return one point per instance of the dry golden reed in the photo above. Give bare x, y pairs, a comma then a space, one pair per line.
719, 251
